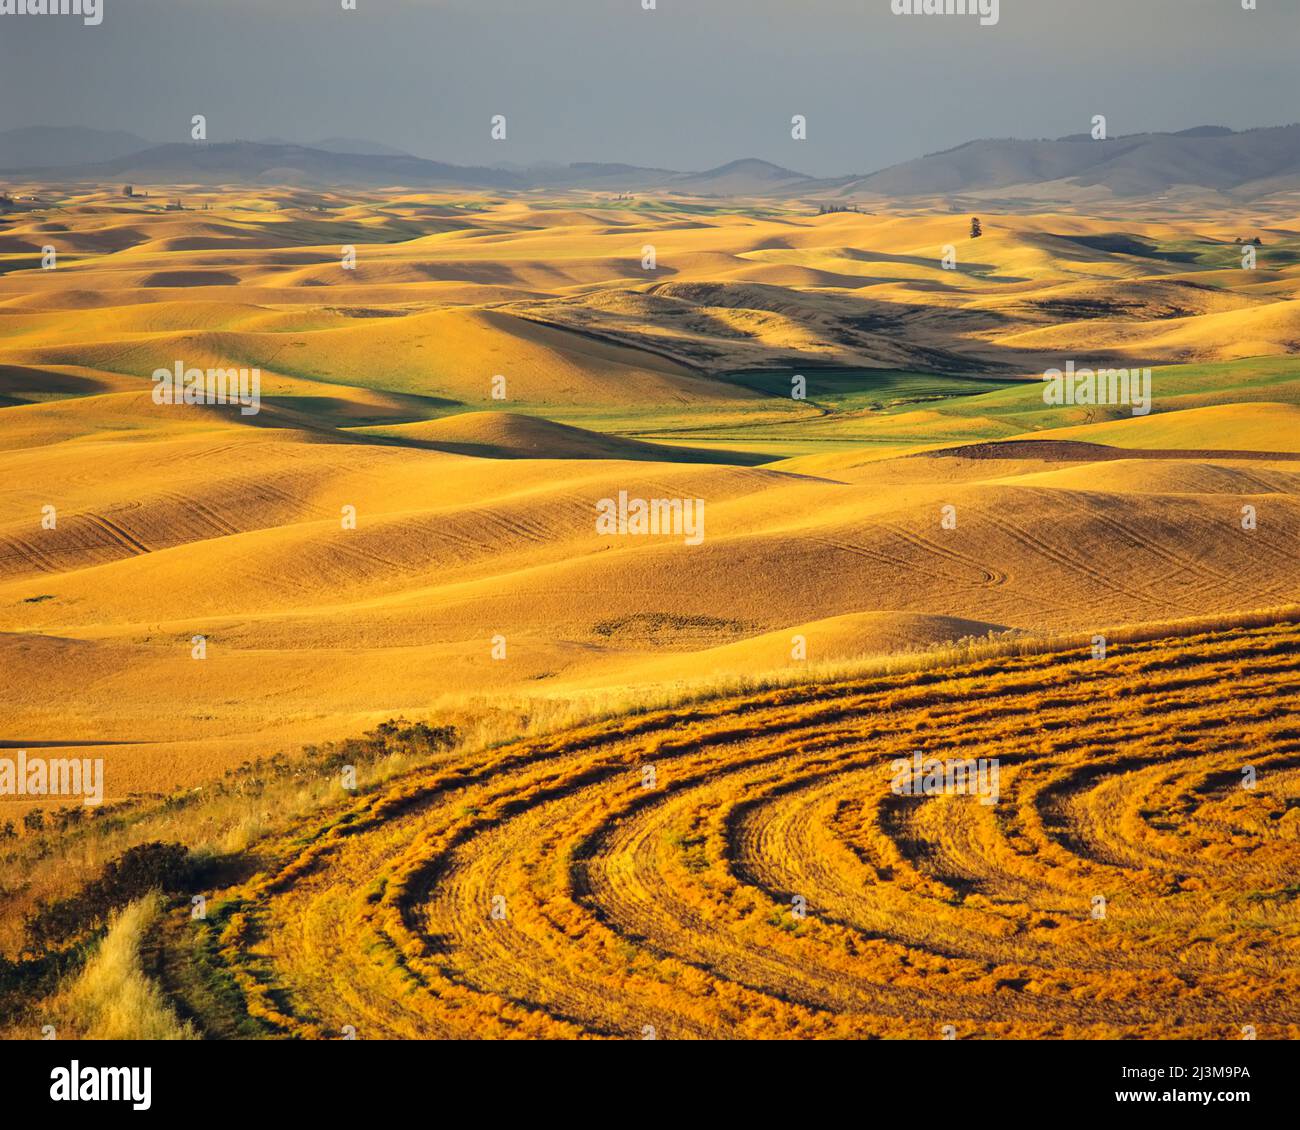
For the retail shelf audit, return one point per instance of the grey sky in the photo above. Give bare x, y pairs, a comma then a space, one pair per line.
690, 85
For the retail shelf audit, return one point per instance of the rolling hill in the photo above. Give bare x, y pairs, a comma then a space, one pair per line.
918, 553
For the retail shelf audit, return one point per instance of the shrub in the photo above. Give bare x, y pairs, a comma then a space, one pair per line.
136, 872
397, 735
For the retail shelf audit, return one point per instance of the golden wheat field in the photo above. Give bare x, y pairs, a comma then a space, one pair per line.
646, 784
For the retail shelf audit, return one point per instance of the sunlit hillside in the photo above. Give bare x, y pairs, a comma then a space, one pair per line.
901, 545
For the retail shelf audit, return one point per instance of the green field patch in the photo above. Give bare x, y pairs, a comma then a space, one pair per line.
865, 390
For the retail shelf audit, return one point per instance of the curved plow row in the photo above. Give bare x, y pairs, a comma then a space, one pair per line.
744, 868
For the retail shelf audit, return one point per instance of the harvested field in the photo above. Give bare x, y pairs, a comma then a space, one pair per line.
648, 871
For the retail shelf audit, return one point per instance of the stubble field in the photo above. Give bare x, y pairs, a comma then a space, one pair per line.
914, 557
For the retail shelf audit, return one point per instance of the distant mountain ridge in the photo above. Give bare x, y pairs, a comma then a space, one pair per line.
64, 146
1135, 165
250, 161
1246, 163
280, 162
358, 145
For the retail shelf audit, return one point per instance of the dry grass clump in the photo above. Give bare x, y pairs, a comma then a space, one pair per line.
113, 998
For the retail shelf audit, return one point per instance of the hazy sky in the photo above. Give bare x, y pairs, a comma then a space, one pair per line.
689, 85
